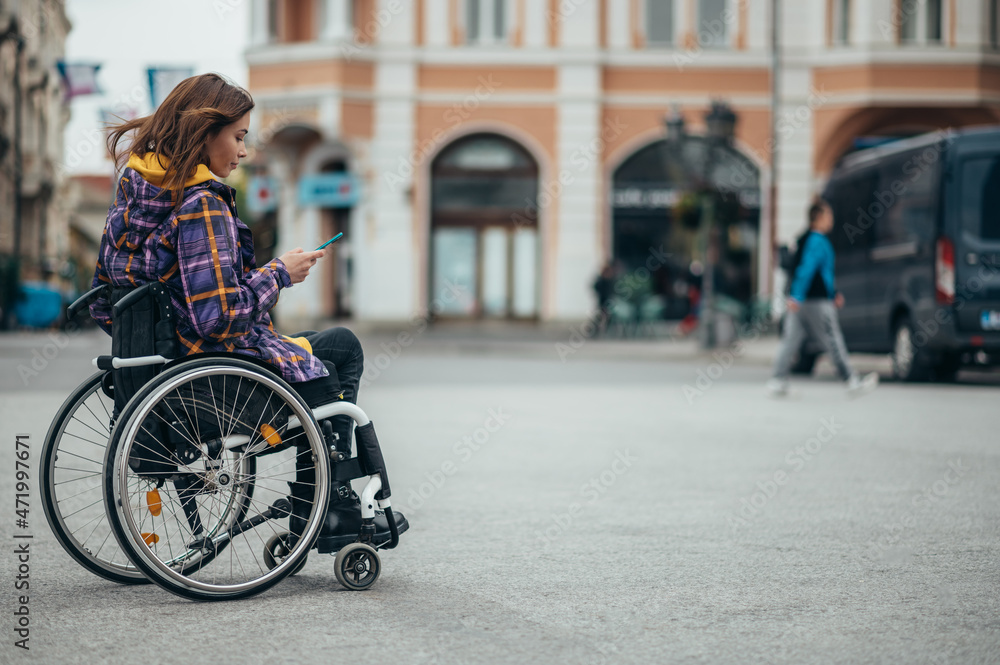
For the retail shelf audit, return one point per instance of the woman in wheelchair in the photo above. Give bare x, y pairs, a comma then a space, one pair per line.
172, 222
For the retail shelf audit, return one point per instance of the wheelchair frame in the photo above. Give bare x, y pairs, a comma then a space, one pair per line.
357, 565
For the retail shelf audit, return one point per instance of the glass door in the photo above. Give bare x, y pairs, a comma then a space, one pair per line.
496, 251
454, 284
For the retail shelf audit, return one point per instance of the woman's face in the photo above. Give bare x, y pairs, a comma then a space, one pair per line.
227, 148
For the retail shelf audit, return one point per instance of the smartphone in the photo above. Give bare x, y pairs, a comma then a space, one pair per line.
333, 239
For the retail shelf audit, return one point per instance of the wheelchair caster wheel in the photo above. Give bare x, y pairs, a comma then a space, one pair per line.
276, 549
357, 566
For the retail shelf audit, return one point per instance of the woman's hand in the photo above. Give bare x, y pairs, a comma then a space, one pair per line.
299, 262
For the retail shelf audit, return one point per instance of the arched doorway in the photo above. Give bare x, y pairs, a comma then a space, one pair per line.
302, 193
484, 230
335, 217
656, 219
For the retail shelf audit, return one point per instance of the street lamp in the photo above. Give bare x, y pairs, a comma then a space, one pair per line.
720, 123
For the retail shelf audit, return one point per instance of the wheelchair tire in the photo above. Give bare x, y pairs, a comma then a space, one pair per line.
70, 483
217, 511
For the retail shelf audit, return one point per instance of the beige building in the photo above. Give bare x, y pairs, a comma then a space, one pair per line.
485, 157
32, 38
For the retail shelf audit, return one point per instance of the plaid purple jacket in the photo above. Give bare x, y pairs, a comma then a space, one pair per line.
204, 254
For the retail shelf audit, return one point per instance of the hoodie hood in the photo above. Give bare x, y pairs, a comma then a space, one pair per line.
153, 169
140, 217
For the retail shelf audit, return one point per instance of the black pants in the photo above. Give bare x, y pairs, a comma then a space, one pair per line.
341, 353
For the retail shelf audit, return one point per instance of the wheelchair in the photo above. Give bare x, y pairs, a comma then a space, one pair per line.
207, 474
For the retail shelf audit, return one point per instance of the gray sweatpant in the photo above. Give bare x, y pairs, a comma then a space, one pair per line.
818, 319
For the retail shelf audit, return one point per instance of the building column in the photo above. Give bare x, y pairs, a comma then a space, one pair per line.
796, 181
387, 281
572, 236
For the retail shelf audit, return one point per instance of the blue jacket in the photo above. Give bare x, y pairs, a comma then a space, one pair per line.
817, 260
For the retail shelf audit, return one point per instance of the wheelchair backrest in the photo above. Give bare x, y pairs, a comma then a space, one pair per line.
143, 324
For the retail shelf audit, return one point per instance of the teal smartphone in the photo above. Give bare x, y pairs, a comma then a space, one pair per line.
333, 239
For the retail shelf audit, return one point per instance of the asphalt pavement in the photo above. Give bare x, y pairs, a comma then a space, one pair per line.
623, 502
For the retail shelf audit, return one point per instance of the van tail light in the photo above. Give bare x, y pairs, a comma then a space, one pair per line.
944, 271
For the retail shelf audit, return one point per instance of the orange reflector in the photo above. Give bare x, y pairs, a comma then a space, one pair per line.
153, 502
270, 435
150, 538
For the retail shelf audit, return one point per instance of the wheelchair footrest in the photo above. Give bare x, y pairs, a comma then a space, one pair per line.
332, 544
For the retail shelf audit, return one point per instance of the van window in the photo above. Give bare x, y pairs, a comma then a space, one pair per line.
908, 190
854, 214
980, 196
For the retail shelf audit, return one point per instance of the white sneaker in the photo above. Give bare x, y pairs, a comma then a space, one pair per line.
778, 388
859, 385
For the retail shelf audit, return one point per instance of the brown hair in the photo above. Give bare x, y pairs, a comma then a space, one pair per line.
194, 112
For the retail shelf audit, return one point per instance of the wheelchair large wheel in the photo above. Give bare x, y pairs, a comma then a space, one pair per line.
213, 441
70, 475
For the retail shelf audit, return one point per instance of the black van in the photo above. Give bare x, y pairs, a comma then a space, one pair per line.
917, 237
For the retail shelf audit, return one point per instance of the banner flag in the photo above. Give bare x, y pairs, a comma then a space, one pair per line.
78, 79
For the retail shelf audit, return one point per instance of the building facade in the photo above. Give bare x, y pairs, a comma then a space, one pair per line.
486, 157
32, 118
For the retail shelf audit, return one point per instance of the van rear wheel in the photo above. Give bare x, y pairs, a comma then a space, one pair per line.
910, 361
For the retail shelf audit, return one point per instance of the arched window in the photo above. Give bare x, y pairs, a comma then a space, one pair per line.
484, 240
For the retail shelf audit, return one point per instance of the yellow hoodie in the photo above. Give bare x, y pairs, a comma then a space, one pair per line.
153, 169
301, 341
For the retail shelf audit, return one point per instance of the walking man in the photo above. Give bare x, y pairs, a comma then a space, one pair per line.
812, 308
